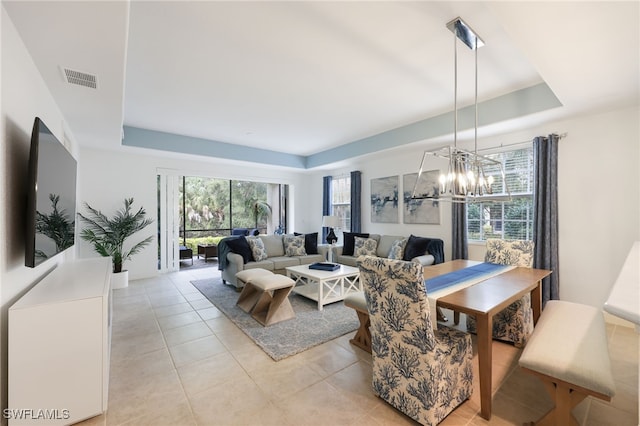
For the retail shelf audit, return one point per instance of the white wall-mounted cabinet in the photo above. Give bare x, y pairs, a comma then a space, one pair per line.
59, 346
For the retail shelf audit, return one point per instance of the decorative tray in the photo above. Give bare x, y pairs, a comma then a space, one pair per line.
324, 266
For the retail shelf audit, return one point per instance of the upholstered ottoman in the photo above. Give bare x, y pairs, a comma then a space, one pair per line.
249, 295
273, 305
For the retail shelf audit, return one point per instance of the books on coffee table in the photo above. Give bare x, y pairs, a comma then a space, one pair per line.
324, 266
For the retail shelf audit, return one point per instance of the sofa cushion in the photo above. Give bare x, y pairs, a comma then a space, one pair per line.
364, 247
346, 260
284, 261
310, 258
293, 245
349, 242
396, 251
310, 242
273, 245
240, 246
416, 246
257, 249
263, 264
384, 244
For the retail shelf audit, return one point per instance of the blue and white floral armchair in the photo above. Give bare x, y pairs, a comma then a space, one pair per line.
424, 373
515, 322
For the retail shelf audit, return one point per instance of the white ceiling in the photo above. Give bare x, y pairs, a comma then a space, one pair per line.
305, 77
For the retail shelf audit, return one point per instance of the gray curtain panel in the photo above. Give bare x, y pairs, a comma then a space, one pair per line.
459, 246
545, 208
356, 204
326, 203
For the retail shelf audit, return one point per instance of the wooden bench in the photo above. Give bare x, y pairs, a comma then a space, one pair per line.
357, 301
569, 352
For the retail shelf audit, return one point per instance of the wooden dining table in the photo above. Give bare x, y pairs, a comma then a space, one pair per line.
485, 299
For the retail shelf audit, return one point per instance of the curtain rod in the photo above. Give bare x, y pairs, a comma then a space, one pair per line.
509, 145
341, 175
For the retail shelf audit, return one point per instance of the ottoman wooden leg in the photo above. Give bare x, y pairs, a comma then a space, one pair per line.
273, 308
249, 294
248, 298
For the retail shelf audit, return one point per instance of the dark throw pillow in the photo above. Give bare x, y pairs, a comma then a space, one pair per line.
416, 246
240, 246
310, 242
349, 242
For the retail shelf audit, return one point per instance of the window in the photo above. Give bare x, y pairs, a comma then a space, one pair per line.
196, 210
506, 219
212, 207
341, 200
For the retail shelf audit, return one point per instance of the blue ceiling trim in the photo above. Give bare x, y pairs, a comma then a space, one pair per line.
512, 105
152, 139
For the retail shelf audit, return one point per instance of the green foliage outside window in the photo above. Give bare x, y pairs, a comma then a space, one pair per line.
212, 207
506, 219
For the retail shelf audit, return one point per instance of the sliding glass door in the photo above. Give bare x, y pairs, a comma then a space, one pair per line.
197, 210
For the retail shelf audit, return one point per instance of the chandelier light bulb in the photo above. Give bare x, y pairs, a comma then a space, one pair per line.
471, 177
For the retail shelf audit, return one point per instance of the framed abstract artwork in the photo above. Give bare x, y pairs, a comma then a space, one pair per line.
425, 210
384, 199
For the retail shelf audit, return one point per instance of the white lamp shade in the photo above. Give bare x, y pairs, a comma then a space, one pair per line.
331, 221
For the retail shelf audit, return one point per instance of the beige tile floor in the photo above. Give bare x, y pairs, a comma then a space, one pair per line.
176, 360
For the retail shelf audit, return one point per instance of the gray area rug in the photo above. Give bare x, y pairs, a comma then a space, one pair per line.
309, 328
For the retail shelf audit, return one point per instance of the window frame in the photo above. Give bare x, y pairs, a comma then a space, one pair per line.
341, 200
477, 232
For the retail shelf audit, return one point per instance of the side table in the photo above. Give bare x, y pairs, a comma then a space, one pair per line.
207, 250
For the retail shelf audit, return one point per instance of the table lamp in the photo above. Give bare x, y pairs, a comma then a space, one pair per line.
331, 222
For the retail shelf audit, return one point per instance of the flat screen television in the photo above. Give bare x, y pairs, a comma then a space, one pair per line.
51, 197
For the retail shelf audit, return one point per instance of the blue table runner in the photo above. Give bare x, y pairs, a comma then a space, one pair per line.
465, 274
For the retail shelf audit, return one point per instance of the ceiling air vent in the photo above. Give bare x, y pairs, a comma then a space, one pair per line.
80, 78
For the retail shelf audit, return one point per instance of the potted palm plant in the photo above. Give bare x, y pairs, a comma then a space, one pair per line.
260, 210
108, 236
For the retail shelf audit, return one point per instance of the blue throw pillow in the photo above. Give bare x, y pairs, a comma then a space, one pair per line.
416, 246
240, 246
310, 242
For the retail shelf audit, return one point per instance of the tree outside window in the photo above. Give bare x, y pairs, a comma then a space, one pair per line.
508, 219
210, 208
341, 200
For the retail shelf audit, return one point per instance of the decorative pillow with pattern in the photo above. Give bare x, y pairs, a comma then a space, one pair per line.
396, 252
310, 242
364, 247
258, 251
348, 243
294, 245
510, 252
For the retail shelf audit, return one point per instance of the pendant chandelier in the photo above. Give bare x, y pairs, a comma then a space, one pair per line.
470, 177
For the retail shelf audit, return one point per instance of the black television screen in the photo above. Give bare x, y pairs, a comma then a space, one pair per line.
51, 197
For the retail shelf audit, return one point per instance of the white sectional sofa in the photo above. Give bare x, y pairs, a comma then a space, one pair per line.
426, 251
230, 262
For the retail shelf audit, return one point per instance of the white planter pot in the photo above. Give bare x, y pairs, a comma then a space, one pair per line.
120, 280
